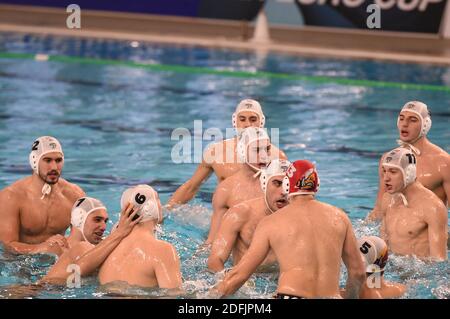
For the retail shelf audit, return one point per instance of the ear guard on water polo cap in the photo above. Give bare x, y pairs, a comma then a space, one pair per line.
276, 167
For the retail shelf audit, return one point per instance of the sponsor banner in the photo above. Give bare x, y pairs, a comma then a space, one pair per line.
394, 15
213, 9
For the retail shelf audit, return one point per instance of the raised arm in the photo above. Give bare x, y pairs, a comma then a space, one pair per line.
353, 262
437, 220
188, 190
226, 238
167, 268
255, 255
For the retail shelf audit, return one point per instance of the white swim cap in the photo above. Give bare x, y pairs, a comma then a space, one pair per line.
81, 210
421, 110
146, 199
246, 137
249, 105
404, 160
375, 252
276, 167
43, 145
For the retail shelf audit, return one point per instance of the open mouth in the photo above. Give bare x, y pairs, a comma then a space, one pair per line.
281, 203
404, 133
98, 233
388, 187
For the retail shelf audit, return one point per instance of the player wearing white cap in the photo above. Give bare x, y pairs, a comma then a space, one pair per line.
35, 211
86, 248
374, 251
239, 222
414, 219
141, 259
254, 150
221, 158
433, 163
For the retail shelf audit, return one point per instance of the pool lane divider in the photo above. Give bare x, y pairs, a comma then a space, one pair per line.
227, 73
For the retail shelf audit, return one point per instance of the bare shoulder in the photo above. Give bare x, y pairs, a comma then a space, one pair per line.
277, 153
165, 250
240, 210
429, 199
439, 153
80, 249
229, 181
333, 210
17, 187
71, 190
15, 191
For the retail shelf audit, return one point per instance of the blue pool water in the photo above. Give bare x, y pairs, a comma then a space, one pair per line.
115, 124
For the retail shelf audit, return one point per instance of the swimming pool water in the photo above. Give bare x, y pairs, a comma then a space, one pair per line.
115, 124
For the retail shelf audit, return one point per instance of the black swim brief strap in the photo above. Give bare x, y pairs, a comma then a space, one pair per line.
286, 296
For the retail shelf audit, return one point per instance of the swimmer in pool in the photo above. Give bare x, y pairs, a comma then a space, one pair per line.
433, 163
141, 259
309, 239
254, 150
375, 255
240, 221
86, 247
414, 219
36, 209
221, 157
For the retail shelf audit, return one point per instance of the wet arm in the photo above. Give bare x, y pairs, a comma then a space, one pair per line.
353, 261
225, 240
167, 270
92, 259
437, 232
188, 190
446, 180
219, 205
255, 255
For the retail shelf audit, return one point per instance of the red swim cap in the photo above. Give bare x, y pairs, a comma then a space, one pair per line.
303, 178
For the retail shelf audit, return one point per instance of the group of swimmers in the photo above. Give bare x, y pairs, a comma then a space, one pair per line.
265, 217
